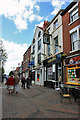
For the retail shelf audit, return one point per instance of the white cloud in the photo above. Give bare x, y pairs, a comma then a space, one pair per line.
57, 4
15, 54
40, 24
19, 11
37, 7
35, 17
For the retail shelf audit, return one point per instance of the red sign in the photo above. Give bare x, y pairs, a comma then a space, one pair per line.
74, 60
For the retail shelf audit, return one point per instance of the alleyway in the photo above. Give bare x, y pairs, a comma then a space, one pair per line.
37, 102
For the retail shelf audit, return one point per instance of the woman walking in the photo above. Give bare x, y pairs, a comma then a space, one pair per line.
10, 82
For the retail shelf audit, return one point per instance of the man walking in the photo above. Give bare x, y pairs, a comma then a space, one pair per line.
28, 82
23, 82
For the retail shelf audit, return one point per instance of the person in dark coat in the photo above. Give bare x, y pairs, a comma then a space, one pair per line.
28, 82
23, 82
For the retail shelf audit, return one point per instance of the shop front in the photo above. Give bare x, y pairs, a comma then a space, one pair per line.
73, 71
39, 73
53, 67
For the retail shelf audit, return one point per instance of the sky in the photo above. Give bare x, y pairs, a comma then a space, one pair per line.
18, 20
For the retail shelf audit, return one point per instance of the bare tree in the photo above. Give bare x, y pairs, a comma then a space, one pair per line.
3, 58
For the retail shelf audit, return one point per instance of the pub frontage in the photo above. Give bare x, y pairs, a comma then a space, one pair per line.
53, 70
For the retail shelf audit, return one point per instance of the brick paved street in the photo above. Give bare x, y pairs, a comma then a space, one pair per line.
37, 102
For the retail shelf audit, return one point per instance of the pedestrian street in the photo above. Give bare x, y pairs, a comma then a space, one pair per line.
37, 102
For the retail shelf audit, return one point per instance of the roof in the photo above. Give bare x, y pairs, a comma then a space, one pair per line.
40, 27
61, 10
68, 8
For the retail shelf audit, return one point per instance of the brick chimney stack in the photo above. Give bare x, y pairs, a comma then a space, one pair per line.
45, 24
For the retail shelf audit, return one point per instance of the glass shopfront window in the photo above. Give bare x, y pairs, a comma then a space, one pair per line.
73, 75
51, 73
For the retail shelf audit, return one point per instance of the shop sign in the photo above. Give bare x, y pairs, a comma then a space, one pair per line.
46, 39
31, 63
52, 59
74, 60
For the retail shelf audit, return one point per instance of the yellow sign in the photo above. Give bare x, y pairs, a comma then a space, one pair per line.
52, 59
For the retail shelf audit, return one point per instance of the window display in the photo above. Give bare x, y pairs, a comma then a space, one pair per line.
51, 73
74, 75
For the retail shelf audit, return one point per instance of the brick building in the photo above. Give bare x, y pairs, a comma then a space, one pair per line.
26, 60
71, 43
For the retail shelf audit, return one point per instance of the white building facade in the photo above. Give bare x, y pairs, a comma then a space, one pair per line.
53, 64
37, 48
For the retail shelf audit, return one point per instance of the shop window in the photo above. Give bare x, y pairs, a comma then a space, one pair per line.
38, 75
51, 73
74, 75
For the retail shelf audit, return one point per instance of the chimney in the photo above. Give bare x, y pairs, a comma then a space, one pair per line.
45, 24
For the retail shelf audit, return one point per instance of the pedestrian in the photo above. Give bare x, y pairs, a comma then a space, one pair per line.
10, 82
16, 86
60, 80
28, 82
23, 82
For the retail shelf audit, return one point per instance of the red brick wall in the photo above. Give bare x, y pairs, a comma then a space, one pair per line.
66, 29
25, 57
66, 38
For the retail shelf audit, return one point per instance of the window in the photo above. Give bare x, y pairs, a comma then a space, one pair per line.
39, 58
33, 49
39, 34
74, 14
33, 40
39, 44
73, 75
48, 50
55, 24
51, 73
56, 44
75, 43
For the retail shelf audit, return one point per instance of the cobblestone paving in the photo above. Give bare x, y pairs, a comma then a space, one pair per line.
37, 102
